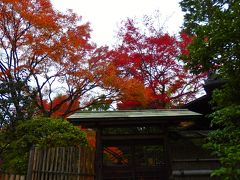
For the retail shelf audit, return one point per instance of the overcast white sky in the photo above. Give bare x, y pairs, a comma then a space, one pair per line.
105, 15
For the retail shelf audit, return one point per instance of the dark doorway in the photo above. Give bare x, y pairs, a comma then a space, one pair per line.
135, 160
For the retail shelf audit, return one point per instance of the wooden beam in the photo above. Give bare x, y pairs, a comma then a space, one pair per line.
132, 137
99, 155
167, 152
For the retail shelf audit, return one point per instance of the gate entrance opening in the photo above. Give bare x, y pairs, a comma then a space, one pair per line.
133, 145
134, 161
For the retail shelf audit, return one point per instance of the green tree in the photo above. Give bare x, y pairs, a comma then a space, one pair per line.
16, 102
39, 132
214, 25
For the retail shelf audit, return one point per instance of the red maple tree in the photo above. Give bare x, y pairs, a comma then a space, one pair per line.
46, 53
150, 56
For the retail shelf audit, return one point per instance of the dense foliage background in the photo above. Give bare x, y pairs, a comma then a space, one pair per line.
214, 24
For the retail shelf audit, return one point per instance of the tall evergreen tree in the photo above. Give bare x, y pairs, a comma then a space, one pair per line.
214, 24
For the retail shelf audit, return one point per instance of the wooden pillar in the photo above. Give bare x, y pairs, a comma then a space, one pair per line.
30, 163
99, 155
167, 152
133, 163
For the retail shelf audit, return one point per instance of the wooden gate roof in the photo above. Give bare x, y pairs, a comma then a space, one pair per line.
132, 117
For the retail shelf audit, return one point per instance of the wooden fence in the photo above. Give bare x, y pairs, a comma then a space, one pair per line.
61, 163
6, 176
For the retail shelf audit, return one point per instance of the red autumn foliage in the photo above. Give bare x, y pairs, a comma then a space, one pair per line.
152, 58
51, 53
64, 106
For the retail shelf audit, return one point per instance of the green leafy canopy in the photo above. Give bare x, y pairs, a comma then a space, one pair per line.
214, 25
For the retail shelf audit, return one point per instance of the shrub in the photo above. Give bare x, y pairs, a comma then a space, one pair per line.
40, 132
